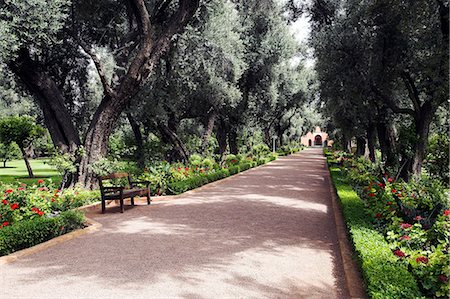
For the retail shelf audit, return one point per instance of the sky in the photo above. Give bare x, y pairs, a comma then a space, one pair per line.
301, 30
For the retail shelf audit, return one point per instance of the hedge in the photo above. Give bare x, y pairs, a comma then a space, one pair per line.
383, 275
24, 234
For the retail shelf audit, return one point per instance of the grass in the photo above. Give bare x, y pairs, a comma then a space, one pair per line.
384, 276
16, 171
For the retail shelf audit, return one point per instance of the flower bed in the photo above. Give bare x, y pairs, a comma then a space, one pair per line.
31, 214
409, 220
170, 179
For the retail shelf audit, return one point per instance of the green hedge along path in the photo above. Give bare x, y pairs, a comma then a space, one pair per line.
266, 233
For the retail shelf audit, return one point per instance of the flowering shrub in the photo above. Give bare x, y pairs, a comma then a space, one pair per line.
21, 202
414, 217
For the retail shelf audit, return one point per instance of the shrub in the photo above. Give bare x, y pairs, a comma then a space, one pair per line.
31, 232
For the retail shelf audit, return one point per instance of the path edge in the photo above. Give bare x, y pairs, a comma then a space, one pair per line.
353, 278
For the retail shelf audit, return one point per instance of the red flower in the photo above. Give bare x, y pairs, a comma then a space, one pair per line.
381, 185
187, 169
399, 253
390, 180
405, 237
6, 223
389, 203
447, 213
9, 191
378, 215
20, 189
443, 278
418, 218
422, 259
53, 200
40, 213
405, 225
394, 191
5, 202
40, 181
14, 206
372, 194
179, 168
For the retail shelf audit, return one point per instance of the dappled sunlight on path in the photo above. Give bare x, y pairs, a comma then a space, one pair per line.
266, 233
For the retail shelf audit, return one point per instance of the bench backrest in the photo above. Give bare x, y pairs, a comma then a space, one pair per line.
117, 176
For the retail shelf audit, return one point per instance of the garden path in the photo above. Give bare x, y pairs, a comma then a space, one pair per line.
266, 233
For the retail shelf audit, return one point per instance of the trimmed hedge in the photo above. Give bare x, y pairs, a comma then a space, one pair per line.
24, 234
179, 187
384, 276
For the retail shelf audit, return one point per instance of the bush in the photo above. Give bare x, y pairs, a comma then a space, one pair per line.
25, 234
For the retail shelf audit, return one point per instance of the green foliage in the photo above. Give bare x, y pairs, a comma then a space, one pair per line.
31, 232
30, 23
19, 129
8, 152
437, 161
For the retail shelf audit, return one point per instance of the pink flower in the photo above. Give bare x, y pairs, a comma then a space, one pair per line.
40, 181
405, 225
418, 218
443, 278
20, 189
447, 213
405, 237
390, 180
399, 253
422, 259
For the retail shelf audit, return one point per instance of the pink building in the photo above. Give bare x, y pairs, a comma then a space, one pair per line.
318, 138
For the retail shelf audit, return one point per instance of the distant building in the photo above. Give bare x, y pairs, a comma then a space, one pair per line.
318, 138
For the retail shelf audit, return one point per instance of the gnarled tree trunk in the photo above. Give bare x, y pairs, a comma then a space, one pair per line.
212, 116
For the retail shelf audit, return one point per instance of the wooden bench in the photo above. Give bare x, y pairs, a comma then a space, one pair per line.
122, 192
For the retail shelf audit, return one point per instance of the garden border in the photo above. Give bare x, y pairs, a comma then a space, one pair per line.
91, 227
352, 272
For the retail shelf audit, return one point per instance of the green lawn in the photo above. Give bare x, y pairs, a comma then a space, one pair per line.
16, 170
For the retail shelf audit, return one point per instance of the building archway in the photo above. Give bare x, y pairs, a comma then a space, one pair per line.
318, 140
309, 142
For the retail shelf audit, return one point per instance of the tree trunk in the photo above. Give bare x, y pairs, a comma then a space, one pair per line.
422, 130
360, 146
387, 144
139, 154
371, 142
169, 135
267, 139
50, 99
346, 143
208, 130
232, 141
4, 163
27, 162
221, 135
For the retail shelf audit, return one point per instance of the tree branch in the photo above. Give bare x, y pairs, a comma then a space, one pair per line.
391, 104
100, 70
412, 90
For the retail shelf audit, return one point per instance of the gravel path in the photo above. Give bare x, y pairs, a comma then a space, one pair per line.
266, 233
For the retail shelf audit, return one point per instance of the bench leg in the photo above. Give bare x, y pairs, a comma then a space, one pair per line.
103, 206
121, 205
148, 197
132, 201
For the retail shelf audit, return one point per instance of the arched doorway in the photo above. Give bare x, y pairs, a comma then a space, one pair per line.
309, 142
318, 140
